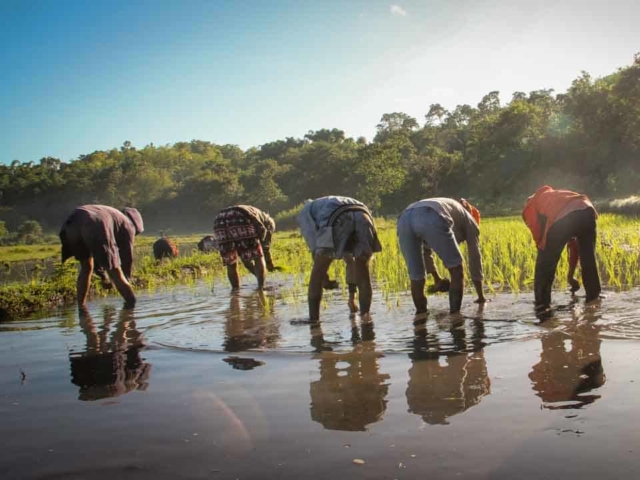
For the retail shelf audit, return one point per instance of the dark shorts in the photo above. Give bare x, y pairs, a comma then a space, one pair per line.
354, 234
236, 236
84, 236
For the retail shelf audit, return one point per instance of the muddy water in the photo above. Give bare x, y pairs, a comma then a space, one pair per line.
198, 383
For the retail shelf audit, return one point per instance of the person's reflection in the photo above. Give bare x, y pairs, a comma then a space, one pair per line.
447, 380
570, 366
351, 393
111, 364
250, 326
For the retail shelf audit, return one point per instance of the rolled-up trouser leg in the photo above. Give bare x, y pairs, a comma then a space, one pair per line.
587, 245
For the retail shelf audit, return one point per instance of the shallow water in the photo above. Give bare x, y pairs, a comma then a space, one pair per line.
198, 383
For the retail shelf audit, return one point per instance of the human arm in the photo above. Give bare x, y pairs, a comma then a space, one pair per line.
440, 284
475, 262
266, 247
535, 221
125, 248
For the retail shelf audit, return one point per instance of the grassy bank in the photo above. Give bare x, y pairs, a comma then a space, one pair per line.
21, 299
507, 249
21, 253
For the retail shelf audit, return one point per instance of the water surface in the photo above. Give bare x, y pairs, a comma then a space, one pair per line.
198, 383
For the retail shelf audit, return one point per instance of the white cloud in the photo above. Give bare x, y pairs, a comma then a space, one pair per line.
398, 11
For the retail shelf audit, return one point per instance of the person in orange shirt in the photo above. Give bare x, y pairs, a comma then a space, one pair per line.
557, 218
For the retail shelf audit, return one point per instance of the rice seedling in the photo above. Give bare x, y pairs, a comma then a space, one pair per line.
508, 254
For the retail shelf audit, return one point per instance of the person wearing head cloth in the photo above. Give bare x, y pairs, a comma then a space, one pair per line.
102, 238
557, 218
245, 232
339, 228
439, 225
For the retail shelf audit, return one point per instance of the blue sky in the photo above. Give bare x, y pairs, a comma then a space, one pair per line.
79, 76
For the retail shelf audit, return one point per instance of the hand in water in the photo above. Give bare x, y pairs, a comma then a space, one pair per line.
441, 286
330, 284
574, 284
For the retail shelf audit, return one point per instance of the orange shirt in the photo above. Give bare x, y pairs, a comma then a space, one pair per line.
546, 206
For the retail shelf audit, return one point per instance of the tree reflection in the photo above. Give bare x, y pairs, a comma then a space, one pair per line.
111, 364
447, 375
351, 393
570, 365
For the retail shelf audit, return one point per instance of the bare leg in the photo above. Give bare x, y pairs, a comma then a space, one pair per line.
351, 282
260, 271
84, 280
318, 274
232, 275
123, 287
363, 280
457, 289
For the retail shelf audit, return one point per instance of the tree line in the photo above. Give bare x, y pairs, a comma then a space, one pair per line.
586, 139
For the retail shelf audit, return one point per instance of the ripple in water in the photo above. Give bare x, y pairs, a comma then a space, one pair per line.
197, 318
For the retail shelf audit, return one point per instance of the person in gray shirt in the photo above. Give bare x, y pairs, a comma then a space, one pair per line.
440, 225
339, 228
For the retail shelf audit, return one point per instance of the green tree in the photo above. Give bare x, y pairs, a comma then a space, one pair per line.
29, 231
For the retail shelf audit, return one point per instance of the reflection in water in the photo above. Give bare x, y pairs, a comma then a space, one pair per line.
240, 363
247, 326
350, 393
111, 364
445, 382
570, 365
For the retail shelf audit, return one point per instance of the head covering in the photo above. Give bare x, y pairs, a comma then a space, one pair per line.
475, 213
135, 217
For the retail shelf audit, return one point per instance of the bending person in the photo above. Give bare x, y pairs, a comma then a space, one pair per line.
440, 225
244, 231
102, 237
557, 218
339, 227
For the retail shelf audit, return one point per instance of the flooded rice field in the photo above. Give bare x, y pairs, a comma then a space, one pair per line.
198, 383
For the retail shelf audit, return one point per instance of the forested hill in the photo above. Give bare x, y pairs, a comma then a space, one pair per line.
587, 139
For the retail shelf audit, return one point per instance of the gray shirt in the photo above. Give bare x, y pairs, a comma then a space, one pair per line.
316, 214
464, 227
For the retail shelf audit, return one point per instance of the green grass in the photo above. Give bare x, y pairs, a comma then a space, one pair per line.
22, 253
508, 254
